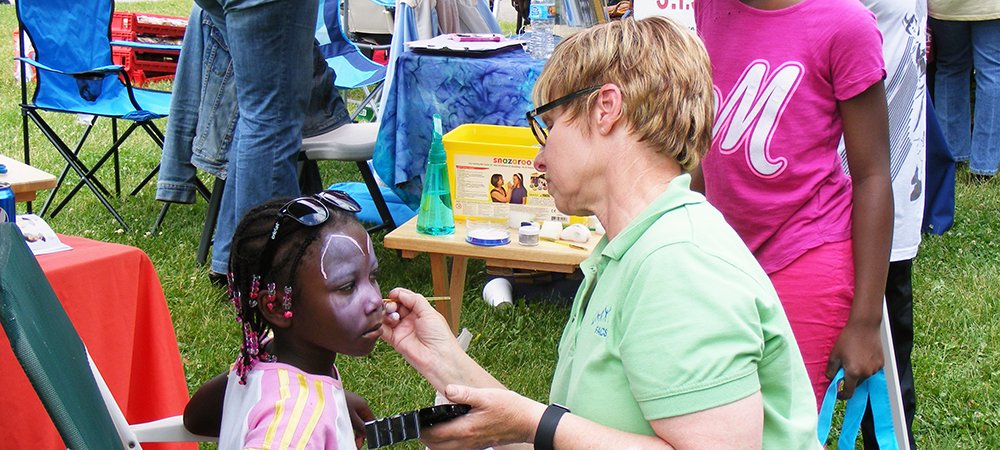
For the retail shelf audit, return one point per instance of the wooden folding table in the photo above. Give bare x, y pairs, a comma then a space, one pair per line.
546, 256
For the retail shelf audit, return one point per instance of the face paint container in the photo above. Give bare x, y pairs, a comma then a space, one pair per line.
528, 235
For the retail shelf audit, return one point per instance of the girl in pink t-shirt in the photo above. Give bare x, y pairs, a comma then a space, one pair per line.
792, 77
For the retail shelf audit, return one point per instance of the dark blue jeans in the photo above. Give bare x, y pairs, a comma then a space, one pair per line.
271, 43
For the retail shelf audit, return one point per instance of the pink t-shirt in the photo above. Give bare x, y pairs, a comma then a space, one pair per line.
773, 168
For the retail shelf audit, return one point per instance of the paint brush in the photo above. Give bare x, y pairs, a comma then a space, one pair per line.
561, 242
430, 299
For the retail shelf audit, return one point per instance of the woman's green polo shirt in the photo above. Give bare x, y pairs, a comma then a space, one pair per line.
675, 316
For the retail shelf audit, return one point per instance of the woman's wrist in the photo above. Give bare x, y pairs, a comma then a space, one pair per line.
532, 418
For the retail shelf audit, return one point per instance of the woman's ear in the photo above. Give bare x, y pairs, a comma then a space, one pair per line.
607, 108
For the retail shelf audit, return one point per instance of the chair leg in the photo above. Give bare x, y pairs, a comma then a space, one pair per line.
75, 164
117, 162
157, 136
376, 193
24, 133
91, 175
211, 218
149, 177
66, 168
370, 99
159, 218
202, 189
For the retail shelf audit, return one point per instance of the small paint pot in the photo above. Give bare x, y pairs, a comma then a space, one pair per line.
487, 237
528, 235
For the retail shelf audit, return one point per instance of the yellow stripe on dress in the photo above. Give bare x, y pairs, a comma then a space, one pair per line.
279, 407
316, 414
300, 403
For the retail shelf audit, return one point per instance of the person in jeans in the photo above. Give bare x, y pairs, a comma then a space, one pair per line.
271, 43
967, 38
203, 110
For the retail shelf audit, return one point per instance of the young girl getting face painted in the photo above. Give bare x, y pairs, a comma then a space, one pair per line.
304, 270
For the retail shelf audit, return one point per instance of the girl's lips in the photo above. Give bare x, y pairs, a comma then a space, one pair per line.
374, 332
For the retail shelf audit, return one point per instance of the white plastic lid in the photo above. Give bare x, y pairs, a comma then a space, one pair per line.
487, 236
529, 230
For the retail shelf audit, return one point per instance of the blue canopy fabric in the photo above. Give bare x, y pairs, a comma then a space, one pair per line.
403, 139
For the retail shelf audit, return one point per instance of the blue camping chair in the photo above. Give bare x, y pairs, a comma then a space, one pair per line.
76, 75
354, 70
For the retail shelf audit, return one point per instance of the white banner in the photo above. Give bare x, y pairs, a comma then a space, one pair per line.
680, 10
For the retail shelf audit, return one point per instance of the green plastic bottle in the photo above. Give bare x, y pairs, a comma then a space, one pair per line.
435, 217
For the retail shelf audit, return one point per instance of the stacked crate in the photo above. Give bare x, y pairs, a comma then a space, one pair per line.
145, 65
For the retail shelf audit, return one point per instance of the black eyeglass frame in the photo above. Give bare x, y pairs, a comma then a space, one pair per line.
538, 128
317, 212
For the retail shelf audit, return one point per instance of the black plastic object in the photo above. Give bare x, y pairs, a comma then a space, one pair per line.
405, 426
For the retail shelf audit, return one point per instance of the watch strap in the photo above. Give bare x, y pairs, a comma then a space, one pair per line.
546, 432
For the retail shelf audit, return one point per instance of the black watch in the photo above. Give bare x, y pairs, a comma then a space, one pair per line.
546, 432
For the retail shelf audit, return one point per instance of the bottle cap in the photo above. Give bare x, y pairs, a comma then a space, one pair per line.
3, 168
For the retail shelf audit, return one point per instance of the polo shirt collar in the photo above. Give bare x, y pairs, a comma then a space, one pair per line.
678, 194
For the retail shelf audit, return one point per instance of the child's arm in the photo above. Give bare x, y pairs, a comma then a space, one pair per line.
866, 137
203, 413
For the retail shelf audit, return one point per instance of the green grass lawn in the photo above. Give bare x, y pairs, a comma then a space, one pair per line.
956, 289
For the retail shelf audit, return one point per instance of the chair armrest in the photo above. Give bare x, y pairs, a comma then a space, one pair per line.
170, 429
145, 45
371, 46
96, 70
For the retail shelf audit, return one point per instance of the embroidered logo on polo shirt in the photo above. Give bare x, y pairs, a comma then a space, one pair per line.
600, 322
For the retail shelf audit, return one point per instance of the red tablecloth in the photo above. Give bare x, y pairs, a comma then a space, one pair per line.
113, 297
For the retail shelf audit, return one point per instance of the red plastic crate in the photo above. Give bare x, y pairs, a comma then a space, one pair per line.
121, 53
132, 58
381, 57
127, 25
29, 51
140, 77
145, 66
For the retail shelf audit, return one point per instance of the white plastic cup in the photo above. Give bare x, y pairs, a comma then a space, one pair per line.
498, 293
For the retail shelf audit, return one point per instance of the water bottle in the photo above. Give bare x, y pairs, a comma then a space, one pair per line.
435, 217
543, 16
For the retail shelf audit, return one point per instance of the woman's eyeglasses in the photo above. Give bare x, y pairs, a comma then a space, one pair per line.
538, 128
312, 210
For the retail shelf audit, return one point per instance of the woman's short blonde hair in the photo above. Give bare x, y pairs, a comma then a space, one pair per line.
662, 70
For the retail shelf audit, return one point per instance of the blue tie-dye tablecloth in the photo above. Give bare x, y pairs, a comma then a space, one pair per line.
494, 90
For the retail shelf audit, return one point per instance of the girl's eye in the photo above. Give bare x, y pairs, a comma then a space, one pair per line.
346, 287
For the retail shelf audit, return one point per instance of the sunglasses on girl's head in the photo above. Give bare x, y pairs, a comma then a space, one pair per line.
312, 210
538, 128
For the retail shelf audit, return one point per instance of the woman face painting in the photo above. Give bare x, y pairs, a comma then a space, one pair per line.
339, 306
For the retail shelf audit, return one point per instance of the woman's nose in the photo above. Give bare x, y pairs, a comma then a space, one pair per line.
539, 161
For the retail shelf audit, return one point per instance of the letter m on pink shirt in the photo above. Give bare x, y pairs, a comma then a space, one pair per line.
750, 113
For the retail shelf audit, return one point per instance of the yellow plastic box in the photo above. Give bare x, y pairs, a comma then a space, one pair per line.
478, 156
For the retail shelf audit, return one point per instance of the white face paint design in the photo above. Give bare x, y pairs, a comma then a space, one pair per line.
326, 246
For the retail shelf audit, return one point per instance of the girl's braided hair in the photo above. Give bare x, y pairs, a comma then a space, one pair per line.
248, 287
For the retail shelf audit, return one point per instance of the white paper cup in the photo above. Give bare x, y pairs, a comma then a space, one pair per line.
498, 293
